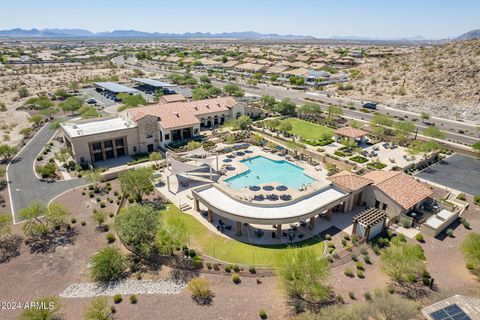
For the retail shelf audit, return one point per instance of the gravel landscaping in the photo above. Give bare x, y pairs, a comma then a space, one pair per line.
86, 290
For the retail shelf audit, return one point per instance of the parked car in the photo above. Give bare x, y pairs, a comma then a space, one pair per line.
370, 105
91, 101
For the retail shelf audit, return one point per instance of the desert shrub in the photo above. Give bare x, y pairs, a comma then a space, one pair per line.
133, 299
449, 232
107, 264
200, 289
117, 298
252, 270
367, 296
262, 314
110, 237
236, 278
351, 294
348, 272
419, 237
360, 274
367, 260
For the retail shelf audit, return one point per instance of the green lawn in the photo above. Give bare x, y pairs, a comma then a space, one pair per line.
309, 130
207, 242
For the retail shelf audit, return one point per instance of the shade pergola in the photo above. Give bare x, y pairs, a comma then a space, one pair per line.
179, 167
367, 223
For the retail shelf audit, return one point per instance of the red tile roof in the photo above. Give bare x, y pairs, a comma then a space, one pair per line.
350, 132
179, 114
350, 180
399, 186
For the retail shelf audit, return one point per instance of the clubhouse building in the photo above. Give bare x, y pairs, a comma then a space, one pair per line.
145, 129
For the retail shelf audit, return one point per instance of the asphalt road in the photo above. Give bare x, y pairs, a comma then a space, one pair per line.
24, 186
450, 127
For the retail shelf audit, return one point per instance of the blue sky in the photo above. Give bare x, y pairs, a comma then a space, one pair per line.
320, 18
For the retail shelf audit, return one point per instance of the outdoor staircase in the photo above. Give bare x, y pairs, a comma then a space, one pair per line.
185, 207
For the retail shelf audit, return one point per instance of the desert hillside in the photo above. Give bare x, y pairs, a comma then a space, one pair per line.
442, 80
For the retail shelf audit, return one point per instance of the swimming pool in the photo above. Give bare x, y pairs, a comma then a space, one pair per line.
263, 170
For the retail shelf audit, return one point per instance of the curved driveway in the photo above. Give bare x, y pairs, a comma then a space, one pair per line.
24, 186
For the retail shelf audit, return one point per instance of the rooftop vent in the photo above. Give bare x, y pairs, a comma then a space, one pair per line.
74, 126
207, 106
176, 113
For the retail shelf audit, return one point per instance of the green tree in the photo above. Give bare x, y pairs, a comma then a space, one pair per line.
267, 102
355, 124
93, 177
87, 112
309, 108
156, 157
39, 220
333, 112
55, 124
233, 90
137, 225
107, 264
135, 183
471, 250
401, 261
244, 122
132, 101
303, 276
49, 312
98, 309
285, 107
49, 112
72, 104
402, 130
7, 151
36, 119
26, 132
434, 133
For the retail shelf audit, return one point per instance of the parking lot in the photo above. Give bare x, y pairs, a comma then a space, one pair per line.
457, 172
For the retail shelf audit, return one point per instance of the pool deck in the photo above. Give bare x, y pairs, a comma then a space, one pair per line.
182, 195
236, 167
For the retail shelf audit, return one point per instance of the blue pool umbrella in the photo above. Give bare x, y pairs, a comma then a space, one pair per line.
254, 188
282, 188
268, 188
227, 160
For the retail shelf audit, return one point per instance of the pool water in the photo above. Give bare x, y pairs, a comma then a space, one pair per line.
262, 170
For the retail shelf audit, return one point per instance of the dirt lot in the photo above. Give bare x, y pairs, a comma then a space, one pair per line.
41, 80
445, 263
32, 275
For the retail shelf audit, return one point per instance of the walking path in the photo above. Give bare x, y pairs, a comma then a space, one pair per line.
24, 186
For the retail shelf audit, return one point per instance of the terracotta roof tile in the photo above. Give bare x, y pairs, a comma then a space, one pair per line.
350, 132
399, 186
183, 113
350, 180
